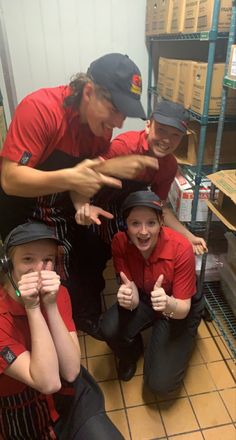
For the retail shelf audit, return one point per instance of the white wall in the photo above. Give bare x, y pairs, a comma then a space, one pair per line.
50, 40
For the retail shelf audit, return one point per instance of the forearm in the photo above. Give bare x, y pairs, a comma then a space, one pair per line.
177, 308
112, 167
68, 350
171, 221
43, 366
24, 181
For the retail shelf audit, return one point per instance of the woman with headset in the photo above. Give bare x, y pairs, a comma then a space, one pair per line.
45, 393
156, 267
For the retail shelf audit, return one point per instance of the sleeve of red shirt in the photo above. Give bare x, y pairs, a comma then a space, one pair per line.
118, 247
7, 341
65, 309
164, 177
118, 147
184, 282
30, 131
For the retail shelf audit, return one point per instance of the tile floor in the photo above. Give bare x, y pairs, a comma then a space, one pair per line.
205, 407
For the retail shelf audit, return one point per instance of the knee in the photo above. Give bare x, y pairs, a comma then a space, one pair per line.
108, 329
162, 385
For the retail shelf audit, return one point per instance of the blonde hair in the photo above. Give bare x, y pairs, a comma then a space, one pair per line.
77, 84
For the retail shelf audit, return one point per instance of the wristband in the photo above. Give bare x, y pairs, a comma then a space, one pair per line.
172, 313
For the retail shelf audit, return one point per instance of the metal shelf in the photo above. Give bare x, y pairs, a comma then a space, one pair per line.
221, 313
203, 120
200, 36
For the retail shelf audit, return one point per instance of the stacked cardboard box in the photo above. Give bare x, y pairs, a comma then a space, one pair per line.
171, 80
184, 87
199, 90
190, 16
164, 14
187, 16
177, 17
162, 71
187, 152
184, 81
205, 13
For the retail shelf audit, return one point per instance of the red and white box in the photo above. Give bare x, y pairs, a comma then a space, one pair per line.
181, 198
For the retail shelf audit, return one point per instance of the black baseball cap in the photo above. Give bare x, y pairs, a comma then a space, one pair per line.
142, 198
122, 78
173, 114
28, 232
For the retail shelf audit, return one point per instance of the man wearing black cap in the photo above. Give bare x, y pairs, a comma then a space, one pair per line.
53, 132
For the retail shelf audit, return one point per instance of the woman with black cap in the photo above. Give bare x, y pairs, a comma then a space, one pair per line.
156, 267
44, 391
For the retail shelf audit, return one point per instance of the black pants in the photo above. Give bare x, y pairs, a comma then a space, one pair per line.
170, 345
88, 259
85, 417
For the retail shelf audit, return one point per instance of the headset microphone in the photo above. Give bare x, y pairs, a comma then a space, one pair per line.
6, 267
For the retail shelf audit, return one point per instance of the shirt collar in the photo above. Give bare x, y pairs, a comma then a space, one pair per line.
9, 305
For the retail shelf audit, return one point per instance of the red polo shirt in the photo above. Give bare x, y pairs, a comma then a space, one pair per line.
42, 125
15, 333
135, 142
173, 257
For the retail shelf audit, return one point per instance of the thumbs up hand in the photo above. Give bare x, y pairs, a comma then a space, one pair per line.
127, 295
159, 299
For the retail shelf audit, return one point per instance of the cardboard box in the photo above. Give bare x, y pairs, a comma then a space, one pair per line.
164, 13
148, 25
205, 14
225, 205
199, 90
171, 81
187, 151
232, 63
181, 198
154, 17
162, 70
3, 127
177, 16
185, 84
151, 18
190, 16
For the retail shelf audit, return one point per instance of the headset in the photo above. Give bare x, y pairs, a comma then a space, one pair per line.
6, 263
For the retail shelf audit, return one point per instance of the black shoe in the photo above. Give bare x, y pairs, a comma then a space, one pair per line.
91, 327
126, 370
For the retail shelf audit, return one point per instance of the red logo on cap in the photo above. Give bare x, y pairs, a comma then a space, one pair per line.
160, 204
136, 84
184, 124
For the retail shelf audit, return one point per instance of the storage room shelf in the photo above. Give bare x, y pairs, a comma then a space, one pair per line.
221, 313
202, 119
201, 36
231, 83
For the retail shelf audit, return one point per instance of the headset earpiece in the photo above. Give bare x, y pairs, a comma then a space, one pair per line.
5, 264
